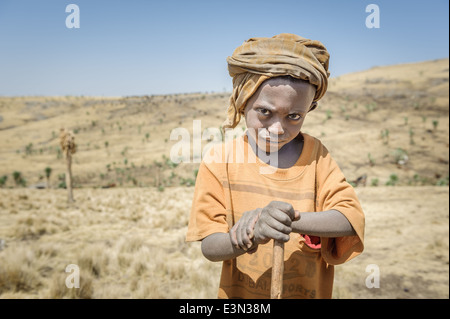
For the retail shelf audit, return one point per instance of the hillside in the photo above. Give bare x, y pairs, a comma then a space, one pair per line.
389, 123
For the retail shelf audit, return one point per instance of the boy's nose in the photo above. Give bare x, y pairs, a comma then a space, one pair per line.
276, 128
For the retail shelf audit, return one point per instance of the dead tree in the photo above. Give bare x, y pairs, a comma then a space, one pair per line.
68, 147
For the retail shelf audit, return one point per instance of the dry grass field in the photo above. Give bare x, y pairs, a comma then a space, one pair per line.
126, 228
127, 242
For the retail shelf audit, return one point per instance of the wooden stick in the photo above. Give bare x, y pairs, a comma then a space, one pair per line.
276, 288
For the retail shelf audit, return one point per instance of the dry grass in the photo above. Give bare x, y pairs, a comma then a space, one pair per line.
128, 243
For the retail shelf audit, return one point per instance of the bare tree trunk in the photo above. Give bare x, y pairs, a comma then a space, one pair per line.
68, 146
69, 177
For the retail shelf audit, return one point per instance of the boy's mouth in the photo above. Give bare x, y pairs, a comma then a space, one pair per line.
271, 140
271, 145
265, 136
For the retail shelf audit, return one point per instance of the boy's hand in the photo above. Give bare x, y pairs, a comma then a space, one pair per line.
261, 225
275, 222
242, 232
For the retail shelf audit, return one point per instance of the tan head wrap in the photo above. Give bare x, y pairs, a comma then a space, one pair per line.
259, 59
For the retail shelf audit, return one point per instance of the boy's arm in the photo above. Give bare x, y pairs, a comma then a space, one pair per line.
270, 222
218, 247
330, 223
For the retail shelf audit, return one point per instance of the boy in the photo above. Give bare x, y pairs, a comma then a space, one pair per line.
292, 192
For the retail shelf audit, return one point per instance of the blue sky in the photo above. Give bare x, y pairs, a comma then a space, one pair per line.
139, 47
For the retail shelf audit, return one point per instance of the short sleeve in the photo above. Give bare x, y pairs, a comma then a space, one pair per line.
334, 192
208, 211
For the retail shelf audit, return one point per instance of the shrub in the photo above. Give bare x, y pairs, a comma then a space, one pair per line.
443, 181
371, 160
3, 180
400, 156
435, 124
18, 179
385, 136
48, 172
29, 149
393, 179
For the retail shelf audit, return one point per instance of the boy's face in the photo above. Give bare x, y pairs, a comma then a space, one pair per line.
277, 110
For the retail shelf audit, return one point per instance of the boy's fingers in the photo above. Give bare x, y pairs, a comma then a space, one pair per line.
233, 237
286, 208
249, 237
243, 239
239, 237
255, 219
280, 227
251, 228
241, 233
297, 216
269, 232
279, 216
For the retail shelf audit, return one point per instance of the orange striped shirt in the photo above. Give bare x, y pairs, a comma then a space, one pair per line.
230, 182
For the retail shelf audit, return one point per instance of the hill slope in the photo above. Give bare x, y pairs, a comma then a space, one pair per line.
381, 122
390, 123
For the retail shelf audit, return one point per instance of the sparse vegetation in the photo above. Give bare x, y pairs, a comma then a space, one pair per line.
371, 160
19, 180
48, 172
385, 136
370, 107
411, 136
29, 149
393, 180
435, 124
400, 156
442, 181
3, 180
62, 181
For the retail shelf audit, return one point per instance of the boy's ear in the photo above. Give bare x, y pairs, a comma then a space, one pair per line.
313, 106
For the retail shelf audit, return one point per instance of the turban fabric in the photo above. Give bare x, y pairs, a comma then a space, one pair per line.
259, 59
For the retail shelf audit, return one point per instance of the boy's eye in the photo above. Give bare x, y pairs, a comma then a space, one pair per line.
295, 117
264, 111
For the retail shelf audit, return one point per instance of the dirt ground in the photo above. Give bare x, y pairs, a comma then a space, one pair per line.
407, 239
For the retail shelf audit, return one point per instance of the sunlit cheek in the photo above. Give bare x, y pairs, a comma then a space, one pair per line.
296, 128
254, 121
